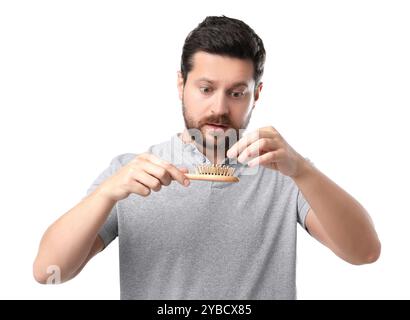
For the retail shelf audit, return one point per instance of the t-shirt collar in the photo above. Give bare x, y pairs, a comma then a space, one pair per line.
189, 149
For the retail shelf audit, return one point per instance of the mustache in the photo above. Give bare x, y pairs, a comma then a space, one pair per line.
221, 120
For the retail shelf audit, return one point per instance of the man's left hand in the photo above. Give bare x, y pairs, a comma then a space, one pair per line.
266, 147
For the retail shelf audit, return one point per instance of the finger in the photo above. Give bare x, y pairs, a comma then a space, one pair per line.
147, 180
256, 149
172, 170
138, 188
157, 171
247, 140
177, 174
183, 169
240, 145
265, 159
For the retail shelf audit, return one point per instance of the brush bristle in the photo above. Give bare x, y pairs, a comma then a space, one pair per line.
215, 169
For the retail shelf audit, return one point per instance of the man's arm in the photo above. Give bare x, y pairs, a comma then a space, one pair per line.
336, 219
71, 241
97, 247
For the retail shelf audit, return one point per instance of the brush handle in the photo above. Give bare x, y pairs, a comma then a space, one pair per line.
212, 177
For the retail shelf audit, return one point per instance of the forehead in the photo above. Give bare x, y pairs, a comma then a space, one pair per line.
220, 68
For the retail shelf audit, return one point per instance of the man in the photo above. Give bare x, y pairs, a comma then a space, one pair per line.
210, 240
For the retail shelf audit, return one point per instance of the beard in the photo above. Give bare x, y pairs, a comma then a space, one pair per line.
218, 142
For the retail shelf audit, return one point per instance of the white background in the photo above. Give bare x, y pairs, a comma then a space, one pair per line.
83, 81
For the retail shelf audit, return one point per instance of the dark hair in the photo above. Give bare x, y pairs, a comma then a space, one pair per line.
224, 36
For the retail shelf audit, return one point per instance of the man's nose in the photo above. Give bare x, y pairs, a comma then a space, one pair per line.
220, 104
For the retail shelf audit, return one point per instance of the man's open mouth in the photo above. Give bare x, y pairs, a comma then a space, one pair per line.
216, 126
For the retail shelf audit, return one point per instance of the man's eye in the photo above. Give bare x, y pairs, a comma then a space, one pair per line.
237, 94
205, 90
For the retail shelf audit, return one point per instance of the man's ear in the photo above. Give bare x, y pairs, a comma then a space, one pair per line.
180, 84
258, 91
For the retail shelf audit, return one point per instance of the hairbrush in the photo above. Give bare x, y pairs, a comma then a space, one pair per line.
213, 172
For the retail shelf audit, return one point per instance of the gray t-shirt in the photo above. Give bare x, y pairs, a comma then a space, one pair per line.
210, 240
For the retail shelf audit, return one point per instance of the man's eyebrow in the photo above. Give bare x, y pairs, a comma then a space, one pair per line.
204, 80
240, 84
234, 85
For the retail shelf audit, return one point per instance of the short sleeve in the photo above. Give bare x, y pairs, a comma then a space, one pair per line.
109, 230
302, 205
302, 208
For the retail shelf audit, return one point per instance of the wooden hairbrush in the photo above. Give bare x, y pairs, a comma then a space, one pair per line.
213, 172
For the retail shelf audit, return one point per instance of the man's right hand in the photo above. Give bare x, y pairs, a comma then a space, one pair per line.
144, 173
